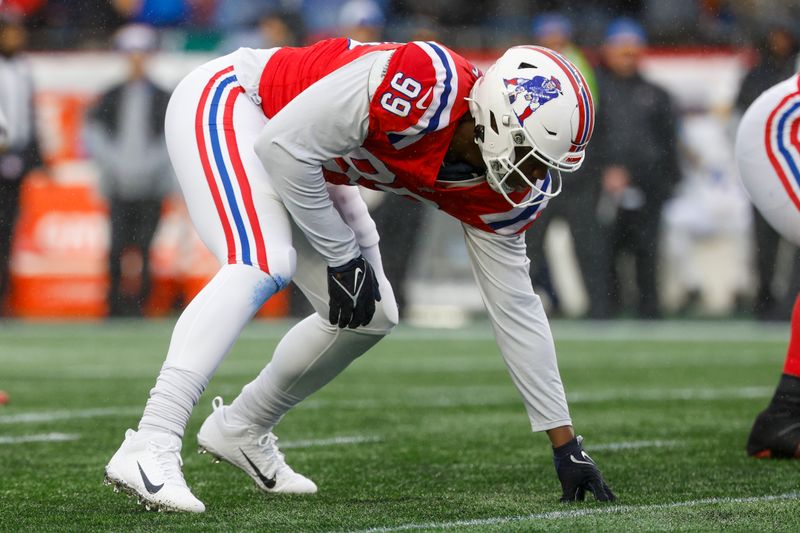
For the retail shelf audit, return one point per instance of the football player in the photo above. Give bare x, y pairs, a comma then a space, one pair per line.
768, 155
259, 136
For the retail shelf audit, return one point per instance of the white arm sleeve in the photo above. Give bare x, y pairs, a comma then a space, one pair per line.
353, 210
327, 120
500, 266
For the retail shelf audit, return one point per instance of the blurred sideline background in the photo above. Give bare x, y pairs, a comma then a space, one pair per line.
698, 51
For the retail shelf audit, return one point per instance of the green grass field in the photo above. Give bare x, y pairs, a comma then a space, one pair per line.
426, 432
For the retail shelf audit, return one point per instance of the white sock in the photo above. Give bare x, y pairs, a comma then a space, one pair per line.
310, 355
171, 400
203, 336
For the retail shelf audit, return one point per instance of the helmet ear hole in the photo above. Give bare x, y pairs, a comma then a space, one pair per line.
493, 123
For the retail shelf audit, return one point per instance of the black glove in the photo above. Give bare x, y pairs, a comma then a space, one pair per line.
578, 473
353, 291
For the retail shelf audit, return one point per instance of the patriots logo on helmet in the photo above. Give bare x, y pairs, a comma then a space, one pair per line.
528, 95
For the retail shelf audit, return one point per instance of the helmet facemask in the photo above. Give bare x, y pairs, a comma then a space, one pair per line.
508, 167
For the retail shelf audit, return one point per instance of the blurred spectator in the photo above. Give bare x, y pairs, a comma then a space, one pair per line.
320, 18
3, 131
163, 12
777, 61
671, 21
692, 21
710, 203
273, 28
125, 136
232, 16
477, 24
634, 146
362, 20
61, 26
756, 16
153, 12
554, 31
422, 28
20, 153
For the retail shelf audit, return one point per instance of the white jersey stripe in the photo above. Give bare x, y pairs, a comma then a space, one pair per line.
437, 115
442, 116
512, 221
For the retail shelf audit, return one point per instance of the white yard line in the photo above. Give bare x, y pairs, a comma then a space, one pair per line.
567, 330
457, 399
577, 513
580, 330
473, 400
41, 437
671, 394
634, 445
52, 416
333, 441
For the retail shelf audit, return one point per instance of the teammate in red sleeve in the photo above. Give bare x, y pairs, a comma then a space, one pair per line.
768, 156
259, 136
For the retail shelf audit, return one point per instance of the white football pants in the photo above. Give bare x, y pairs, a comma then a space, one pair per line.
211, 128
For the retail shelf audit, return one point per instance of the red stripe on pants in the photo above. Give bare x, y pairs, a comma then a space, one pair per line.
241, 178
212, 184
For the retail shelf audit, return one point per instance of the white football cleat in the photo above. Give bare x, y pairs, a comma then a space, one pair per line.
148, 466
253, 449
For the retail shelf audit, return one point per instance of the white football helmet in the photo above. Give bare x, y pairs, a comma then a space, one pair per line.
531, 103
768, 157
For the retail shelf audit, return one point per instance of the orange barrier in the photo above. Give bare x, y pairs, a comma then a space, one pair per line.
59, 265
59, 258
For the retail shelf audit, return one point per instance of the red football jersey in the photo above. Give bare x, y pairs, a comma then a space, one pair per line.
412, 119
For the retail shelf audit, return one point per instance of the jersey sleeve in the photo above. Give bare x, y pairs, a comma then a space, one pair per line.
501, 268
325, 121
424, 84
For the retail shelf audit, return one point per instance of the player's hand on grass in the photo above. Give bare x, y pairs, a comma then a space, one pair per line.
353, 291
578, 473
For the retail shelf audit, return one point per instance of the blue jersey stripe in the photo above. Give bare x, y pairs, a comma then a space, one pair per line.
787, 156
395, 138
526, 213
434, 122
223, 170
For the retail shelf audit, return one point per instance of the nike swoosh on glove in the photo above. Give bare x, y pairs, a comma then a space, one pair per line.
352, 292
578, 473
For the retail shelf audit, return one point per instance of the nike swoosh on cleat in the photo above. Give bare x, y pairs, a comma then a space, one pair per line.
787, 429
152, 489
268, 482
